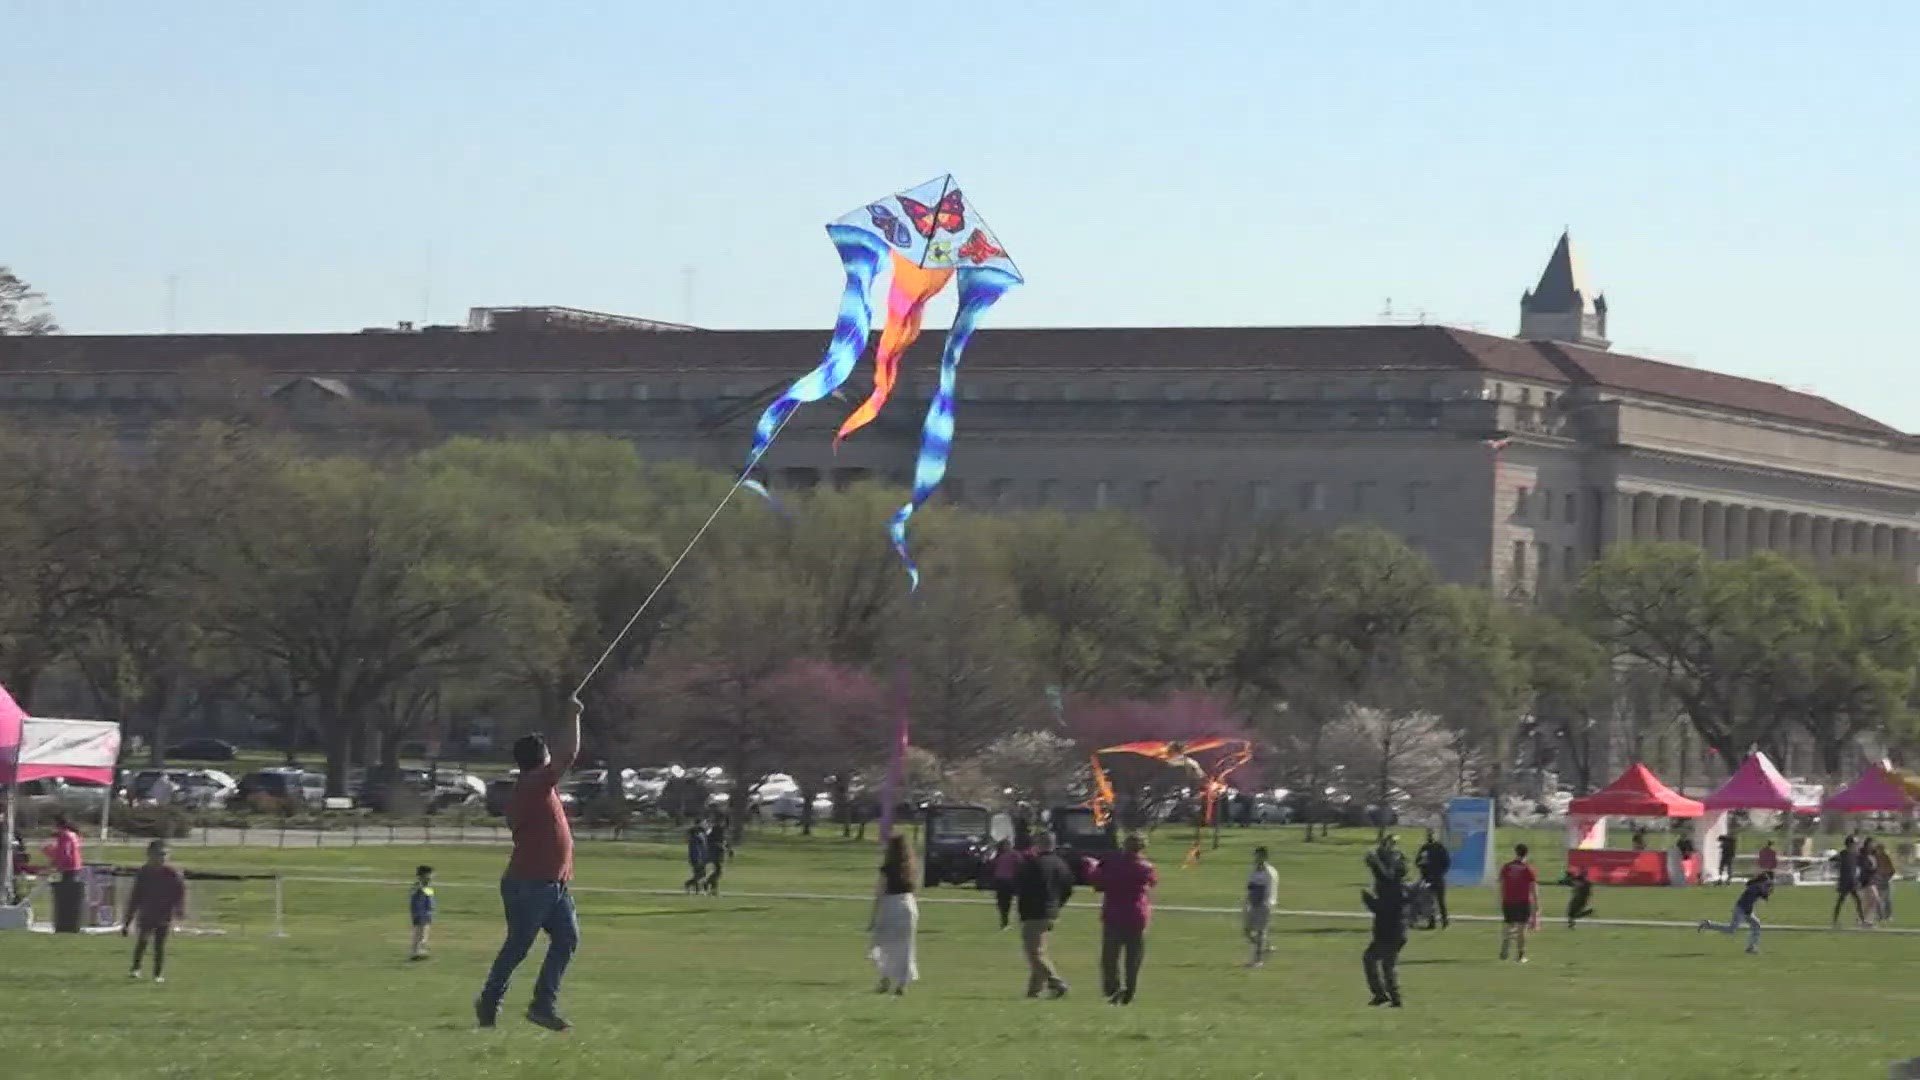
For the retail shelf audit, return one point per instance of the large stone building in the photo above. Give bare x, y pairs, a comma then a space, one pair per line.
1510, 461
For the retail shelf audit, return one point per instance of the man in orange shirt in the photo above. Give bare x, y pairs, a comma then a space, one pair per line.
534, 888
1519, 903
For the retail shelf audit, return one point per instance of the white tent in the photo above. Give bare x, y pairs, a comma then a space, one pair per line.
32, 748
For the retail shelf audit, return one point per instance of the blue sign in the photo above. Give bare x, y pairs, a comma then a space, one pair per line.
1467, 830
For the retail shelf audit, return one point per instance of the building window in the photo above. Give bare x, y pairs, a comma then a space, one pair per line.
1434, 391
1362, 496
956, 491
596, 391
1381, 389
1549, 398
1573, 507
1413, 497
1203, 493
969, 392
1526, 395
1319, 392
498, 391
142, 389
1000, 492
1122, 392
1043, 494
1100, 494
1171, 392
1218, 391
1276, 391
1069, 392
1313, 496
100, 390
1569, 564
1546, 505
1260, 496
637, 391
60, 390
1149, 490
1018, 391
1543, 554
1519, 563
1520, 502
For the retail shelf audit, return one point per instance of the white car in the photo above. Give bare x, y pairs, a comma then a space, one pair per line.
200, 789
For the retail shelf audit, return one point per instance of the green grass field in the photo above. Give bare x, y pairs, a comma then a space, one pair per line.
751, 987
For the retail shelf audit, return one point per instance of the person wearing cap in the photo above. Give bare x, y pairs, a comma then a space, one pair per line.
534, 888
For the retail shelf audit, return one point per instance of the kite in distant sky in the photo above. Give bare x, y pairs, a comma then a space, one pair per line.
926, 236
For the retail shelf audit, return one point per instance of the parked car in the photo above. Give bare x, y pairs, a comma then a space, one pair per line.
294, 787
435, 789
788, 807
196, 788
52, 795
202, 750
500, 789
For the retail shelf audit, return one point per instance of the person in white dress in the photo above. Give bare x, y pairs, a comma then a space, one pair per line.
1262, 885
895, 921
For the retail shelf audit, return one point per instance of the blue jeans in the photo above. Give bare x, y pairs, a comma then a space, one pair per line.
1741, 916
533, 906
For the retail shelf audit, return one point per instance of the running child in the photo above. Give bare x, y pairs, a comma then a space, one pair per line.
1759, 888
1577, 906
159, 898
697, 859
1263, 885
421, 906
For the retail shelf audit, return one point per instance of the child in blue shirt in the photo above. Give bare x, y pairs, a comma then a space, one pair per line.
1758, 888
421, 906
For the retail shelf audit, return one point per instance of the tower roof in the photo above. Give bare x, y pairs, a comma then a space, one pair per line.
1561, 287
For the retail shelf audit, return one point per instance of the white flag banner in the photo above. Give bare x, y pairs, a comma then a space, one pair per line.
71, 749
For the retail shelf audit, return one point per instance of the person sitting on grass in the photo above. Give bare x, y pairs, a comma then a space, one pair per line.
1577, 906
421, 905
159, 898
1759, 888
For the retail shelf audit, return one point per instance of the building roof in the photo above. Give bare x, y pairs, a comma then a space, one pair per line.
776, 352
1654, 378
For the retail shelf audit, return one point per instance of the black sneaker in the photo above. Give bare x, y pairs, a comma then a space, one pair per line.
1394, 1004
548, 1019
1378, 999
1057, 991
485, 1014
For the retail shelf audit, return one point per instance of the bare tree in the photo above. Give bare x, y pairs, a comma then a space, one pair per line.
23, 310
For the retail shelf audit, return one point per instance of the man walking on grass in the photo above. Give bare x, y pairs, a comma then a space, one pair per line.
1127, 882
534, 888
1433, 861
1041, 890
1519, 904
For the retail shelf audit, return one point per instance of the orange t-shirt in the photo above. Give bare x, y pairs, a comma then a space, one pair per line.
542, 839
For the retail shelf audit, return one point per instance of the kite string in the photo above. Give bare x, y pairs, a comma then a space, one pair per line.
746, 474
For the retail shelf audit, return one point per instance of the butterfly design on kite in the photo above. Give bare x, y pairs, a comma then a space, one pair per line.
890, 225
979, 249
940, 252
949, 216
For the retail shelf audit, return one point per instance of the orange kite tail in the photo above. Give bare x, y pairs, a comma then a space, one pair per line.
1101, 802
907, 297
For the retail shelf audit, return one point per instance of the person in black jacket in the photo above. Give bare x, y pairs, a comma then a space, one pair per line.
1434, 860
1388, 902
1042, 888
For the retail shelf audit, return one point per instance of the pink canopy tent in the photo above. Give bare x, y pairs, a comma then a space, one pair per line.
33, 749
1877, 790
1756, 785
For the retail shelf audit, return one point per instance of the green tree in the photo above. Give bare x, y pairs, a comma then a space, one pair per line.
1718, 634
1099, 599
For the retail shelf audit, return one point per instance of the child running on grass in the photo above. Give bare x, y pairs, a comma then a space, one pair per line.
159, 897
1577, 906
1759, 888
420, 906
697, 860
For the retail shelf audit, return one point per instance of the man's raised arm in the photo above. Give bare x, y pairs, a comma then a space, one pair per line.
564, 747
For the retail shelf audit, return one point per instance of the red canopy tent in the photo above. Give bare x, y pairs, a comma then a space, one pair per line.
1638, 793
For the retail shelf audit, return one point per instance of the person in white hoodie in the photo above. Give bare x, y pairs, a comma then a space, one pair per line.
1257, 912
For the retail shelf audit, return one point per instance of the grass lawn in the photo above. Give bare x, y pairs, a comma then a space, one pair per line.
751, 987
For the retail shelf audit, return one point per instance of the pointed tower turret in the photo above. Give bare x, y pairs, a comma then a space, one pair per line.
1560, 307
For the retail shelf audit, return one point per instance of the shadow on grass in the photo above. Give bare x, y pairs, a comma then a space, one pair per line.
650, 913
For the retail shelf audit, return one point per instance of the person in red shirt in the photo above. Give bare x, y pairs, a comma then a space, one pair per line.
1126, 883
159, 897
534, 887
1519, 904
64, 850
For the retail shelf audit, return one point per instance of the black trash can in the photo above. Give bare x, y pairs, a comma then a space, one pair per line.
69, 905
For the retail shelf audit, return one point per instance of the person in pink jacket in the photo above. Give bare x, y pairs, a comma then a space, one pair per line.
1125, 882
64, 851
1006, 871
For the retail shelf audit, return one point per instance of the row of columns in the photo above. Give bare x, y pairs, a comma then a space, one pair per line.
1732, 531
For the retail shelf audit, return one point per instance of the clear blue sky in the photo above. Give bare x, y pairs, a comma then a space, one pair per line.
1742, 178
